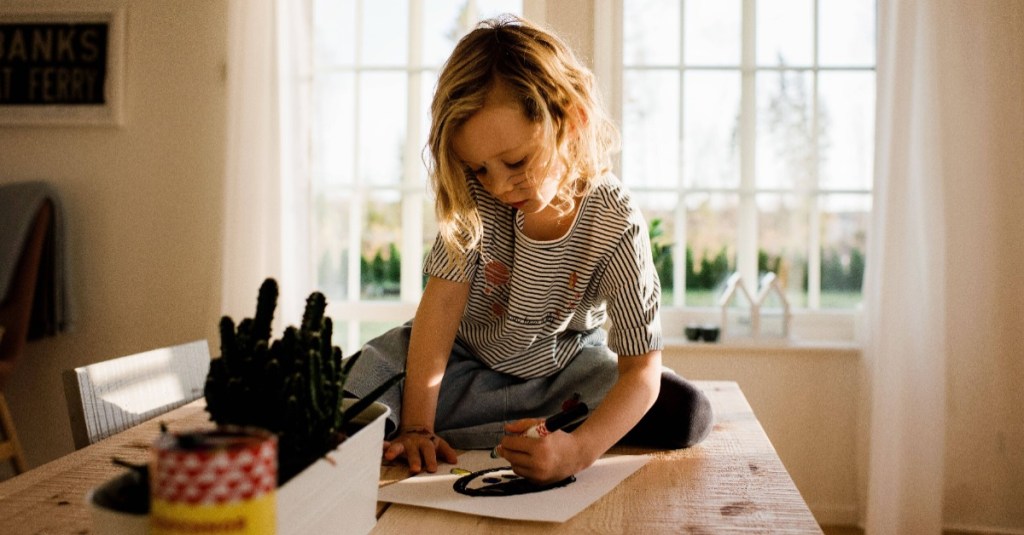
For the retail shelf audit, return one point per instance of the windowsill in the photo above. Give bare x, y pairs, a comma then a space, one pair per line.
810, 331
763, 346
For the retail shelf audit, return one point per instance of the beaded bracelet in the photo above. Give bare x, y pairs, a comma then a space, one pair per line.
419, 431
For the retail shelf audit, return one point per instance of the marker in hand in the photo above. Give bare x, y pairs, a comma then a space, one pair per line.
570, 415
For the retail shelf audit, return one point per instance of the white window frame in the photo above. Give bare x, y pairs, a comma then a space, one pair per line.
811, 323
354, 311
808, 324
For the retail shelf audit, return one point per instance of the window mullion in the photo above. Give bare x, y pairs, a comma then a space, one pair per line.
746, 246
679, 220
814, 199
679, 253
412, 202
355, 210
608, 60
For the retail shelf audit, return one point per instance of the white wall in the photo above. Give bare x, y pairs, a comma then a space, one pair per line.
143, 205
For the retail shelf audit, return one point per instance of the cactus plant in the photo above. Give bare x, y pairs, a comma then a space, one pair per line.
292, 386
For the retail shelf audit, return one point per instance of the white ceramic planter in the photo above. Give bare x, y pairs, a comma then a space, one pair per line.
335, 495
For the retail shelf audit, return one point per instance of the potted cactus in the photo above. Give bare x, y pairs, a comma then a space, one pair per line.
292, 387
328, 448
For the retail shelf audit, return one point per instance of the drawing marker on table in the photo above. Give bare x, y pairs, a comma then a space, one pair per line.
570, 415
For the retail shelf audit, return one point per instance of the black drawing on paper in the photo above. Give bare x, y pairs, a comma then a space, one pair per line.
502, 481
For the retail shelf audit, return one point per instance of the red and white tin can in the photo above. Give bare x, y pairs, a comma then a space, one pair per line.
214, 482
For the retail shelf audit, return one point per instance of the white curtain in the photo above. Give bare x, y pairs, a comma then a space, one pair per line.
266, 183
943, 276
905, 279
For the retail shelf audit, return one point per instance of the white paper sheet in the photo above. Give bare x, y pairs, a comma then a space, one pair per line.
554, 505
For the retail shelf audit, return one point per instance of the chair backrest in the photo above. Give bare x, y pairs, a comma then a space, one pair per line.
108, 397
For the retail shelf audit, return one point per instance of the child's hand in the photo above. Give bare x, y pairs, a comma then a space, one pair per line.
420, 447
542, 460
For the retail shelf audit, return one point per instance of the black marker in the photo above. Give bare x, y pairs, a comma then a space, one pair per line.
571, 415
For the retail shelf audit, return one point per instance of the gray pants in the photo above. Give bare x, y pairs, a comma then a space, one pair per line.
475, 401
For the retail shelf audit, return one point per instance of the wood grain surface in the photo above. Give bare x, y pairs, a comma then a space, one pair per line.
733, 482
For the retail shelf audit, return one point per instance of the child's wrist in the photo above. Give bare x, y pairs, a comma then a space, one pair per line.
586, 452
418, 430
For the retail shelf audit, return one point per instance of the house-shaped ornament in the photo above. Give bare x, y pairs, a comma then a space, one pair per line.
771, 309
738, 310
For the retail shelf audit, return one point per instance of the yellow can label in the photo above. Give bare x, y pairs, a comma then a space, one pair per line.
251, 517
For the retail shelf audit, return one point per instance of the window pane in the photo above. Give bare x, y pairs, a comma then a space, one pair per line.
351, 335
785, 144
844, 224
650, 117
847, 33
441, 30
368, 330
334, 145
491, 8
334, 31
847, 119
783, 242
382, 126
330, 246
713, 29
650, 34
381, 264
785, 32
814, 132
711, 230
659, 210
711, 128
385, 32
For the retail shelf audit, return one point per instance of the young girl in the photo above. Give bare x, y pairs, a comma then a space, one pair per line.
539, 245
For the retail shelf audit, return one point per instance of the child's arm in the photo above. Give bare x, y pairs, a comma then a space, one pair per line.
433, 333
560, 454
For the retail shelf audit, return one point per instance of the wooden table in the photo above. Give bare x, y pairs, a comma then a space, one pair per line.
732, 482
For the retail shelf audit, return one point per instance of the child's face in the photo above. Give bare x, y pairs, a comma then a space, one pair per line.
508, 154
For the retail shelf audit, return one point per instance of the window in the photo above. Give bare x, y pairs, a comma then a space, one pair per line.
748, 131
747, 138
374, 68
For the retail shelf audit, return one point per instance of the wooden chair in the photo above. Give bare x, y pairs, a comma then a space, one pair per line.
15, 316
108, 397
10, 448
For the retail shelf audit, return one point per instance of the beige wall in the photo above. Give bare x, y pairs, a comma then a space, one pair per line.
984, 48
143, 205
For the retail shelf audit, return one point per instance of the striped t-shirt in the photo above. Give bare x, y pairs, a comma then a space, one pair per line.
531, 302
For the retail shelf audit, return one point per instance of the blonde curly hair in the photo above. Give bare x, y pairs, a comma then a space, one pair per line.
554, 90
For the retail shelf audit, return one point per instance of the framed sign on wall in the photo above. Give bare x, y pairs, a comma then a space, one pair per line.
61, 64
